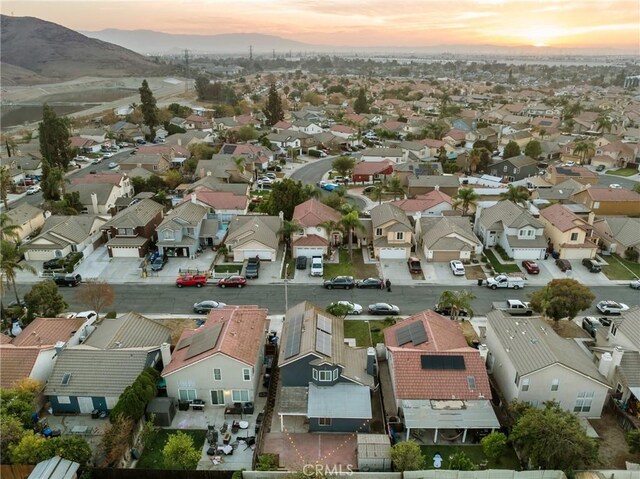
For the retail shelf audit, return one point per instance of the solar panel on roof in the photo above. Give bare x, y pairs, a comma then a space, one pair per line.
413, 333
184, 343
403, 336
324, 324
429, 361
294, 336
323, 343
204, 341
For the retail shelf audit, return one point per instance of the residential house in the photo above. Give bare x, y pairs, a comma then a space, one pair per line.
120, 180
197, 122
559, 193
344, 132
433, 146
225, 169
285, 141
371, 171
282, 125
93, 375
446, 238
514, 168
153, 163
393, 155
85, 145
609, 201
306, 126
423, 184
439, 382
254, 235
29, 219
521, 138
222, 361
417, 168
222, 206
175, 155
313, 239
391, 232
96, 198
567, 233
434, 203
580, 174
618, 234
481, 134
124, 131
99, 135
530, 362
30, 164
414, 150
179, 232
213, 184
513, 228
623, 154
323, 379
454, 137
306, 140
130, 232
179, 122
190, 138
61, 235
257, 157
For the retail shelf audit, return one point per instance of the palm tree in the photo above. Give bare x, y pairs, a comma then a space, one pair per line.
288, 228
330, 226
10, 264
240, 164
604, 123
394, 186
5, 185
515, 194
350, 222
312, 191
378, 193
585, 149
466, 198
8, 230
457, 301
474, 160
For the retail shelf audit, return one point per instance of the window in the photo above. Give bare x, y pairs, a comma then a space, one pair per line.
324, 421
335, 374
191, 231
517, 378
554, 384
471, 382
240, 395
168, 235
246, 374
314, 373
574, 236
125, 231
65, 379
596, 204
505, 168
613, 329
324, 375
524, 385
583, 402
400, 235
217, 397
187, 394
217, 374
378, 231
64, 400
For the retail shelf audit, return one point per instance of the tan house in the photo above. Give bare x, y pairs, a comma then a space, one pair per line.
392, 232
423, 184
567, 233
254, 235
584, 176
618, 234
313, 239
27, 217
153, 163
610, 201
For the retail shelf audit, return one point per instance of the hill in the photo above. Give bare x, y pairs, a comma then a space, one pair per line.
48, 52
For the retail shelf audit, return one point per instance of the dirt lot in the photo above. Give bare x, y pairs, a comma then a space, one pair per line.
177, 326
567, 329
474, 272
613, 448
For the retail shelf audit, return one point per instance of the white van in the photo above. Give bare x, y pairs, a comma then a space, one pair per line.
316, 266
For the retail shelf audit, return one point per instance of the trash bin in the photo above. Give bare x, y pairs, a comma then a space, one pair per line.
480, 282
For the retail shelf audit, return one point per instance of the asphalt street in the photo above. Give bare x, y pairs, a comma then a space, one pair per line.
167, 299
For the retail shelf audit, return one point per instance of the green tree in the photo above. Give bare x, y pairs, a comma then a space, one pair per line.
149, 109
172, 179
633, 440
459, 461
72, 448
338, 310
584, 149
636, 187
343, 165
44, 300
378, 193
18, 403
515, 194
285, 196
180, 453
604, 123
116, 440
361, 105
5, 185
11, 432
288, 228
457, 301
55, 139
11, 262
553, 439
247, 133
562, 298
394, 186
8, 229
407, 456
267, 462
350, 222
533, 149
53, 181
466, 197
494, 445
31, 449
512, 149
273, 111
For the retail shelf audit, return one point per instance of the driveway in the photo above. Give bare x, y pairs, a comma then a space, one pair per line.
396, 271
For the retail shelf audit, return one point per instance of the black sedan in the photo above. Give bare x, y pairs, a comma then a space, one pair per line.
345, 282
301, 262
372, 283
446, 311
384, 309
206, 306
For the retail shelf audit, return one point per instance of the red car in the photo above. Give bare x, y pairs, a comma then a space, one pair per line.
531, 266
235, 281
191, 280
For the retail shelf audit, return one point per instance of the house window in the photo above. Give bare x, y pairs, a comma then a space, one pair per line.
168, 235
301, 232
217, 374
314, 373
613, 329
155, 167
217, 397
524, 386
471, 382
554, 384
324, 421
335, 374
505, 168
190, 231
187, 394
240, 395
246, 374
596, 204
324, 375
378, 231
583, 402
574, 236
400, 235
517, 378
125, 231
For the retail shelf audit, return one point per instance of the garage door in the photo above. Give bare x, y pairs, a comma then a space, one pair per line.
444, 256
85, 404
121, 252
574, 253
308, 251
393, 253
263, 254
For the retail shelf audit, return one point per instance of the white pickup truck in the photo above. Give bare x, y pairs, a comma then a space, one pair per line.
316, 266
514, 307
506, 281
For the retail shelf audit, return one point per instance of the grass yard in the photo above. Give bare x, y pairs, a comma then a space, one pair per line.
227, 268
152, 457
619, 268
360, 331
508, 461
345, 267
500, 267
622, 172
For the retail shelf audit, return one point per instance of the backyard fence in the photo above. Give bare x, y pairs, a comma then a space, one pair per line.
156, 474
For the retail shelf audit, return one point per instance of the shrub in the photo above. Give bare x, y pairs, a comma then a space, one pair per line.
631, 255
111, 315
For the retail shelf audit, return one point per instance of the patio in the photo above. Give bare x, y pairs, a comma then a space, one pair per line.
297, 449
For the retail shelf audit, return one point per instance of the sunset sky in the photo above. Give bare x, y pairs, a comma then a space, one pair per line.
406, 23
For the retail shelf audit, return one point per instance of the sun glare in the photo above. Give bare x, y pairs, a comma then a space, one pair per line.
542, 35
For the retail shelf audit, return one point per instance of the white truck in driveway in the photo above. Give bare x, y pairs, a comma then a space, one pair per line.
514, 281
514, 307
316, 266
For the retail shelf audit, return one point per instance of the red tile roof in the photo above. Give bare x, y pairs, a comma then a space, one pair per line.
444, 338
222, 200
423, 202
166, 150
311, 240
368, 168
241, 337
283, 125
16, 363
456, 134
343, 129
562, 218
313, 213
612, 194
432, 143
4, 339
47, 331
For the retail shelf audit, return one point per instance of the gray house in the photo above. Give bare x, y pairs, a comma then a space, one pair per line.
323, 380
515, 168
179, 232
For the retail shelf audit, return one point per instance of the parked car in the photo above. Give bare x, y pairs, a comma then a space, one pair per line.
570, 163
107, 155
414, 265
113, 165
446, 311
370, 283
96, 161
141, 142
196, 280
615, 186
563, 264
81, 158
158, 263
531, 266
252, 270
270, 175
70, 280
384, 309
52, 264
233, 281
32, 190
345, 282
354, 308
611, 307
600, 168
206, 306
331, 186
591, 324
635, 284
369, 189
263, 180
592, 265
301, 262
457, 268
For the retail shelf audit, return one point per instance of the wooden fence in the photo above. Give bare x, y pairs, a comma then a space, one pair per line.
15, 471
155, 474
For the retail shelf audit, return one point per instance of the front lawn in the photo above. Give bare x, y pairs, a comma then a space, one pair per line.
227, 268
359, 330
509, 460
152, 457
501, 267
620, 268
622, 172
346, 267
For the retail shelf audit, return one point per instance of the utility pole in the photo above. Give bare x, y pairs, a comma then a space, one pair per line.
274, 53
250, 52
186, 69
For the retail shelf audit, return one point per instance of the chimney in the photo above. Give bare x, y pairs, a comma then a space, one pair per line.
606, 363
59, 346
94, 203
165, 350
591, 217
179, 141
371, 361
617, 356
484, 351
193, 197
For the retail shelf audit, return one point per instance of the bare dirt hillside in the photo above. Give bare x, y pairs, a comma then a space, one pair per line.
47, 52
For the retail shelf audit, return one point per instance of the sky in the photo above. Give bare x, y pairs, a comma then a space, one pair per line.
360, 23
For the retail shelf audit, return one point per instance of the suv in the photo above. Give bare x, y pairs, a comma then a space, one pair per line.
591, 324
457, 268
70, 280
316, 266
592, 265
158, 263
52, 264
301, 262
191, 280
253, 268
611, 307
414, 265
563, 264
345, 282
